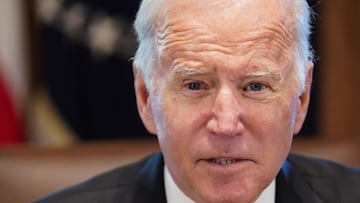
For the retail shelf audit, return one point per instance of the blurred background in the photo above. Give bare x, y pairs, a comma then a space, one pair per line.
68, 71
66, 84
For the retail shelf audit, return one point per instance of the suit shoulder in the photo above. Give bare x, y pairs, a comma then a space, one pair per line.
346, 178
320, 167
322, 179
113, 184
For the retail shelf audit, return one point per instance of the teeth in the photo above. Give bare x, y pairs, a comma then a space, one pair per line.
224, 161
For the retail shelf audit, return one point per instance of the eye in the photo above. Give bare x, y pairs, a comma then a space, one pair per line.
194, 86
255, 86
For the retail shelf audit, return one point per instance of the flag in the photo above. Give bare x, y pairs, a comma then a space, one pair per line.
86, 72
10, 125
13, 79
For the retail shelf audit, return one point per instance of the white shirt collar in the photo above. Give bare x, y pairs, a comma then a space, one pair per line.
175, 195
268, 195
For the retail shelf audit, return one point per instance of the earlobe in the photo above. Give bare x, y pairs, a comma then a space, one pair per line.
304, 100
143, 101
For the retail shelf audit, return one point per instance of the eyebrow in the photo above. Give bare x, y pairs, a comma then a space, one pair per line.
188, 71
264, 73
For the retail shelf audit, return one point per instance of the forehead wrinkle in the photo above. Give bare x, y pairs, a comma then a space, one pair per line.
283, 26
268, 37
281, 35
175, 38
175, 34
170, 35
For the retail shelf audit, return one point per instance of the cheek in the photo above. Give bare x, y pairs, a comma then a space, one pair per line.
280, 113
176, 135
179, 126
173, 124
183, 117
272, 126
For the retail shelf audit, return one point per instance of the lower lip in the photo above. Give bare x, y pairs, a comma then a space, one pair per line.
226, 173
239, 163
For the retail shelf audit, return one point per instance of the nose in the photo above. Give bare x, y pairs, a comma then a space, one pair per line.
226, 114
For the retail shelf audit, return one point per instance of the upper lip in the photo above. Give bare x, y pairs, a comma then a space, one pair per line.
225, 158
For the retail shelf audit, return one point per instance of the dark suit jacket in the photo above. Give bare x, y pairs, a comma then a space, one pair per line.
301, 179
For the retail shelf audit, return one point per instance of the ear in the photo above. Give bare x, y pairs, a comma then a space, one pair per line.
143, 101
304, 100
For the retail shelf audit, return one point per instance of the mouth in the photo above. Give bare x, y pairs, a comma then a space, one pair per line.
225, 167
226, 161
223, 161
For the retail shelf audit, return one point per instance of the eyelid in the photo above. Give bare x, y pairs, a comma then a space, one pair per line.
267, 86
197, 92
264, 86
188, 82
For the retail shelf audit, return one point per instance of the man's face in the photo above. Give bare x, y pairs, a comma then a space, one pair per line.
226, 101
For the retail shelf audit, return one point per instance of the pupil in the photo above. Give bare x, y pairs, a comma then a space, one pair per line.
194, 86
255, 86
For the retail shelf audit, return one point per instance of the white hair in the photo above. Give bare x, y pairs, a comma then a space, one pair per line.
303, 52
146, 54
144, 25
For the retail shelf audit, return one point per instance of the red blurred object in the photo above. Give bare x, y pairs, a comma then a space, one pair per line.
10, 125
